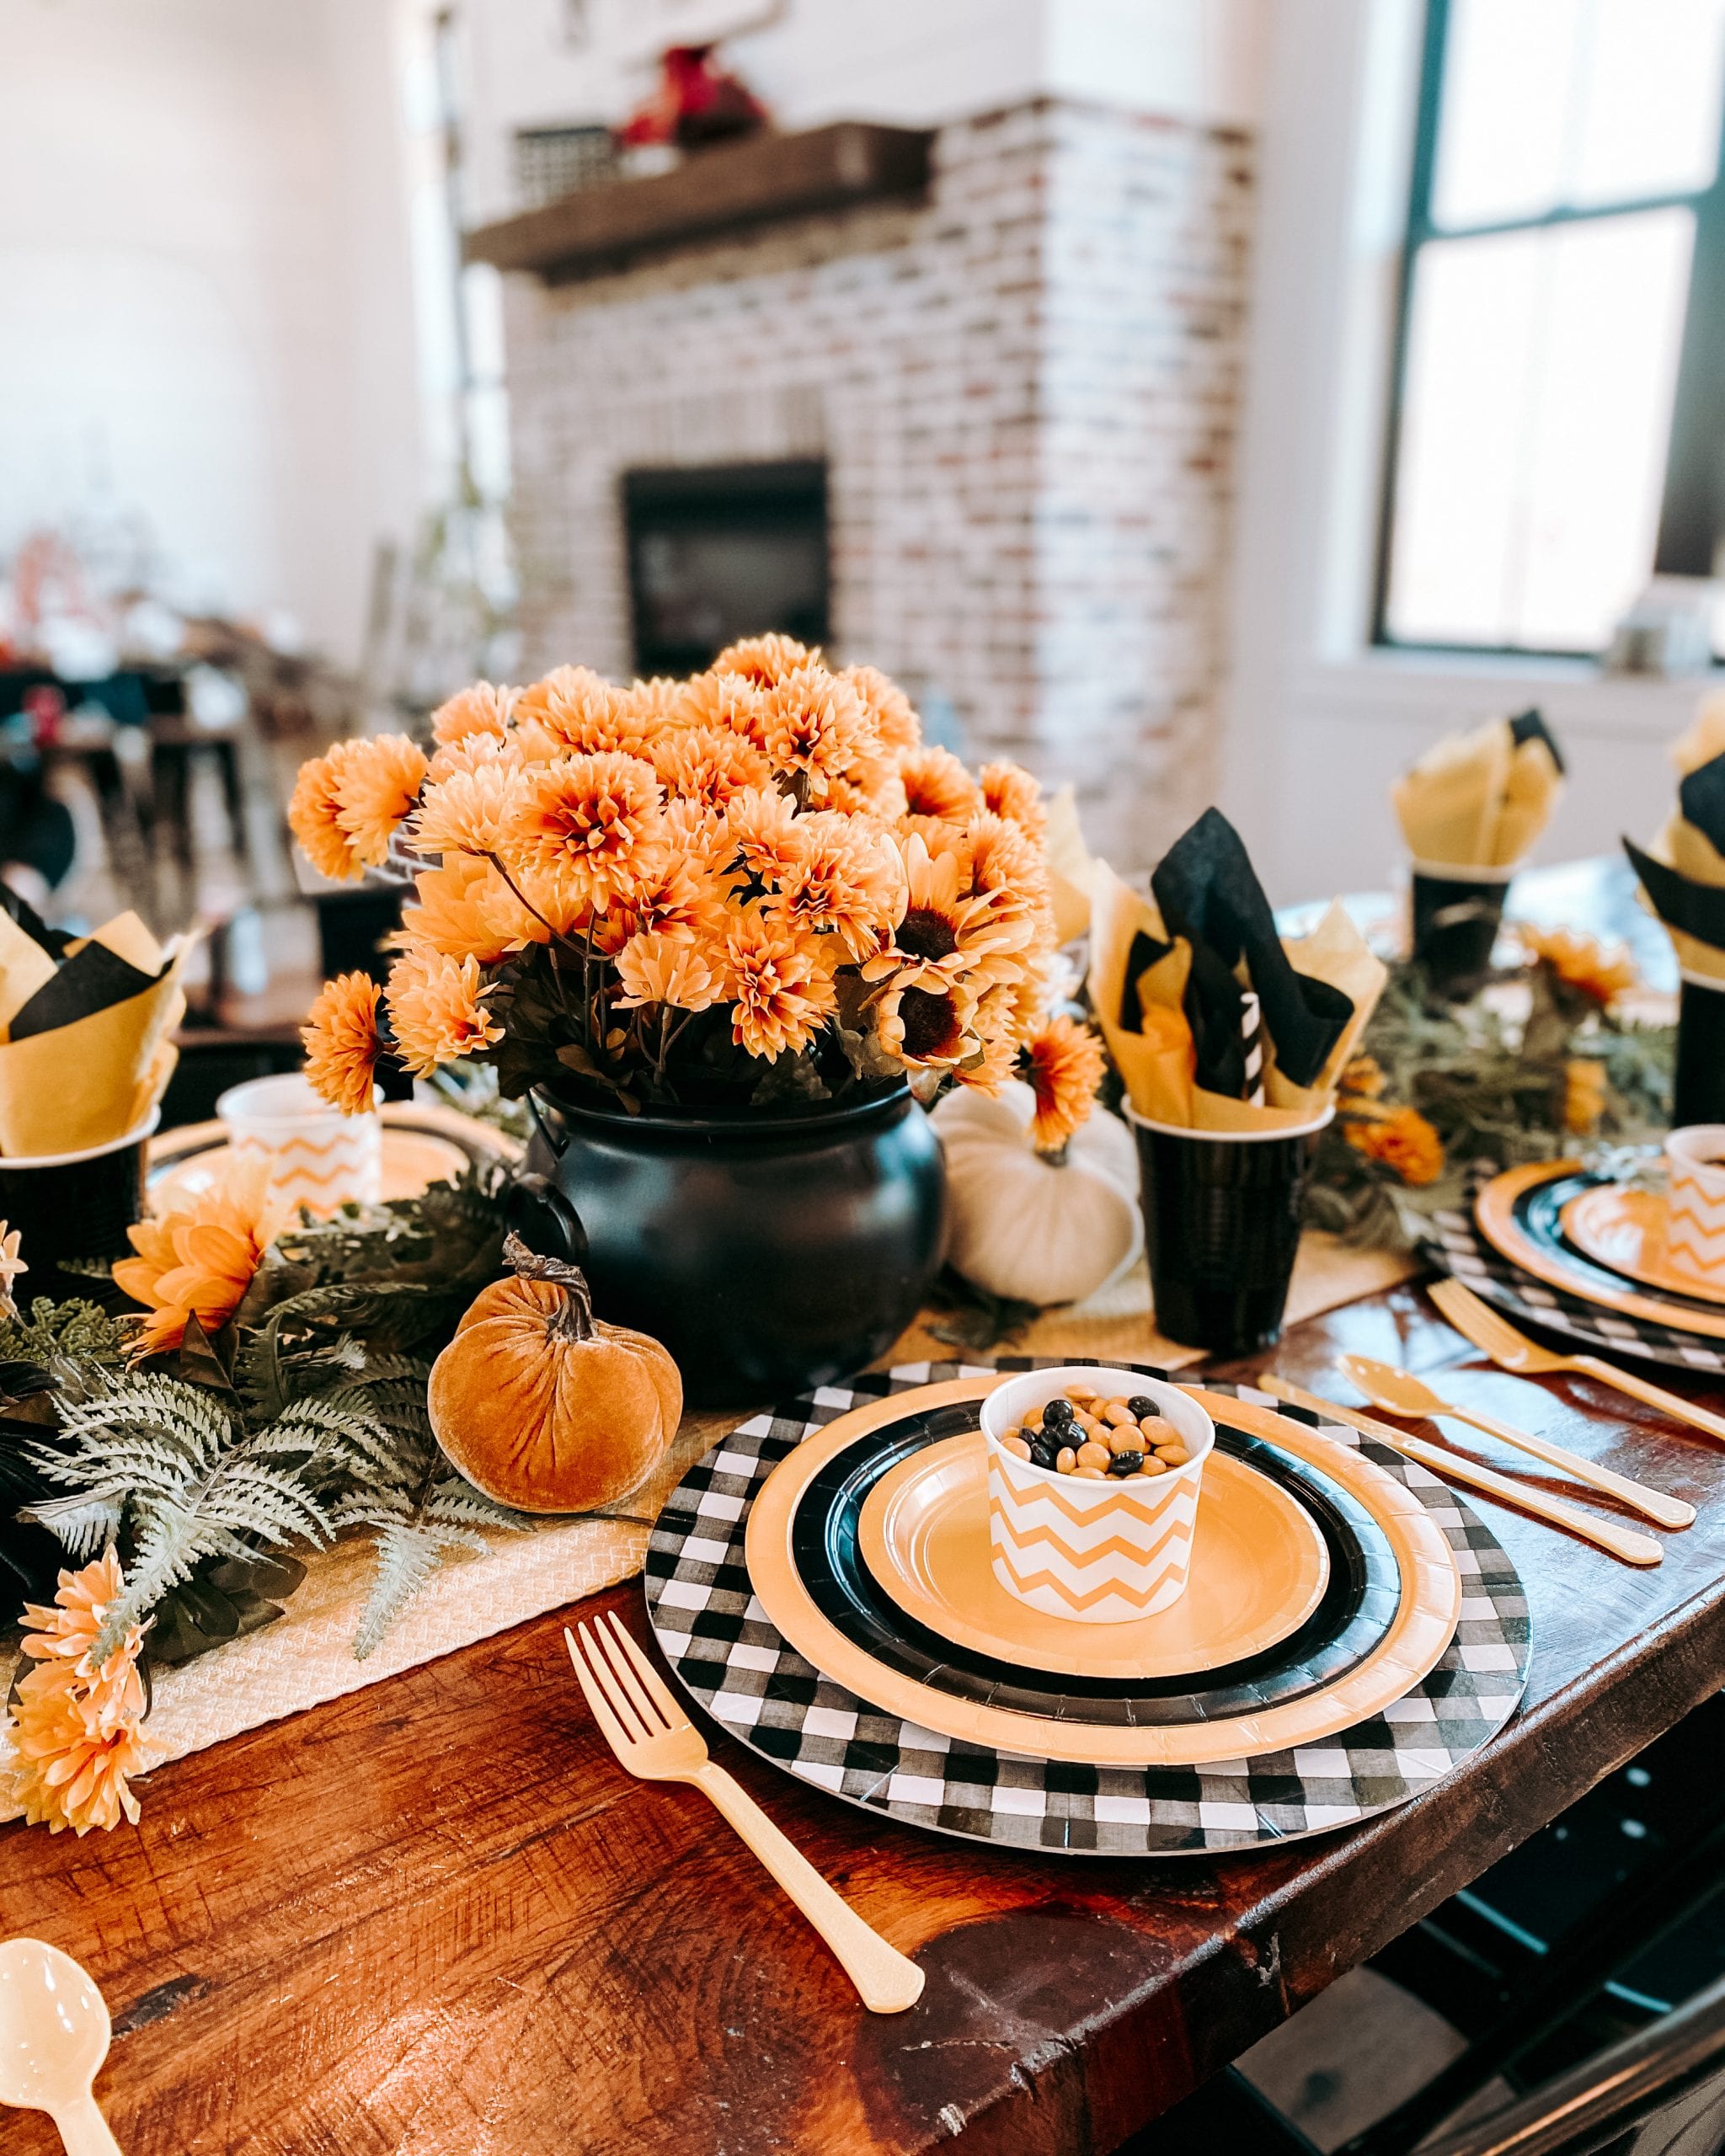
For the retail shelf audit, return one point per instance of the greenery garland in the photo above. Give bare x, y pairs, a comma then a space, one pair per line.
301, 1420
1536, 1066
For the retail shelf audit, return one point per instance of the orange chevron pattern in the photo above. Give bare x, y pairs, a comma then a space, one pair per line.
1090, 1550
1694, 1228
322, 1173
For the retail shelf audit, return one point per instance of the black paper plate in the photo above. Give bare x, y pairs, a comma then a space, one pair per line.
1358, 1609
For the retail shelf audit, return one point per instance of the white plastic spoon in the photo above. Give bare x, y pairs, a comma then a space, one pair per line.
54, 2032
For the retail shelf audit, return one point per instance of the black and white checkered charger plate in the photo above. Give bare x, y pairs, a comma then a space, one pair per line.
739, 1666
1456, 1243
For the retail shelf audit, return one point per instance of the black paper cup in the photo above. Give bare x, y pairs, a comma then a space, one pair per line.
70, 1205
1698, 1089
1221, 1224
1456, 917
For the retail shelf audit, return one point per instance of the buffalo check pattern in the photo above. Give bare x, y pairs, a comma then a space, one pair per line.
1458, 1246
740, 1668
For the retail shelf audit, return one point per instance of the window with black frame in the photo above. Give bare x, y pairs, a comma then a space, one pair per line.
1557, 429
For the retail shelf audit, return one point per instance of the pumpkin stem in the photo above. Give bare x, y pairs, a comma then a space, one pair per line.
574, 1322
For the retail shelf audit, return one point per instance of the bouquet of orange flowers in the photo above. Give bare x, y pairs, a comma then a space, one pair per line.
758, 885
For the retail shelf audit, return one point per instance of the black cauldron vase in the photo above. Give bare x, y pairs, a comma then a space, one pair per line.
769, 1254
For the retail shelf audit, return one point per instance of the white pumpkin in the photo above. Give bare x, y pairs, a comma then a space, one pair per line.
1023, 1226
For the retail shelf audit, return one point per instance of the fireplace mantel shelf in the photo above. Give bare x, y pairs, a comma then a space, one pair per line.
720, 190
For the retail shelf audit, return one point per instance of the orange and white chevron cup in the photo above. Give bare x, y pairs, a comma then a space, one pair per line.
1100, 1553
1695, 1206
318, 1157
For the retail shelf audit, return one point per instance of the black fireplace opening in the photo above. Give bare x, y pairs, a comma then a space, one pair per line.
723, 551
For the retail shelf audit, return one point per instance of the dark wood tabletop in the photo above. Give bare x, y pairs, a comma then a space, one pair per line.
435, 1918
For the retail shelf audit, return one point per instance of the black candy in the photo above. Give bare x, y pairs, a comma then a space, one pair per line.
1140, 1407
1125, 1463
1057, 1410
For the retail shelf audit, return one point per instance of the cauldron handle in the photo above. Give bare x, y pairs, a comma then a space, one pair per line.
544, 1219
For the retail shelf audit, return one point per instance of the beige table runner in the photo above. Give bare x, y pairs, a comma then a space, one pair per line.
305, 1657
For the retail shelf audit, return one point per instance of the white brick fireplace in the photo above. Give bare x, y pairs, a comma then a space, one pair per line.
1025, 386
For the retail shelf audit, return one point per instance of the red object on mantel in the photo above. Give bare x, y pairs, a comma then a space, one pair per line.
697, 102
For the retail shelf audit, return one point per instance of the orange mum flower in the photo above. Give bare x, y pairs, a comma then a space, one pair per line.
437, 1010
727, 700
1065, 1063
377, 785
1580, 961
895, 716
471, 811
815, 725
774, 977
698, 835
76, 1726
314, 813
1009, 790
849, 877
709, 764
594, 821
765, 660
340, 1034
481, 708
936, 784
1400, 1138
677, 900
465, 911
653, 968
658, 700
575, 711
474, 752
761, 833
200, 1260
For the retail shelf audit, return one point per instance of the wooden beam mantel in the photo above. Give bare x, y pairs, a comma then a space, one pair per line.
719, 190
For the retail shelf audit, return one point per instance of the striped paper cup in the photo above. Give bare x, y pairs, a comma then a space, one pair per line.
316, 1156
1695, 1212
1100, 1553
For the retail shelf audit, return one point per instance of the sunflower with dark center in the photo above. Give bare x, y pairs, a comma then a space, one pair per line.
926, 1025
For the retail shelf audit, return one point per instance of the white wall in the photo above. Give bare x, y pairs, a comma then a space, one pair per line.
204, 264
915, 62
1319, 724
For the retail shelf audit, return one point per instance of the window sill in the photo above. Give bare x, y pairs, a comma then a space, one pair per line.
1445, 687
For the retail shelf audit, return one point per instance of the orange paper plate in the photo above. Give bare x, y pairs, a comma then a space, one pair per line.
1495, 1211
1625, 1230
1260, 1569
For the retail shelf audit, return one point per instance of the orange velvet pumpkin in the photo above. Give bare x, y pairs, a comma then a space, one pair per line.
543, 1407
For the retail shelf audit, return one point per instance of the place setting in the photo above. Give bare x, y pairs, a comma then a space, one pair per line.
344, 1384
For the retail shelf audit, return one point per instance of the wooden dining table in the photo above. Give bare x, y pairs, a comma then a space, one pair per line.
435, 1918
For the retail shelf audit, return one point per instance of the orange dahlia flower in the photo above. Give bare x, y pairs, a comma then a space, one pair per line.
377, 785
761, 833
654, 969
936, 784
483, 708
709, 764
895, 716
765, 660
728, 699
781, 993
437, 1009
816, 727
575, 711
1009, 790
314, 814
1064, 1066
472, 811
75, 1724
340, 1034
593, 819
1400, 1138
199, 1262
849, 878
